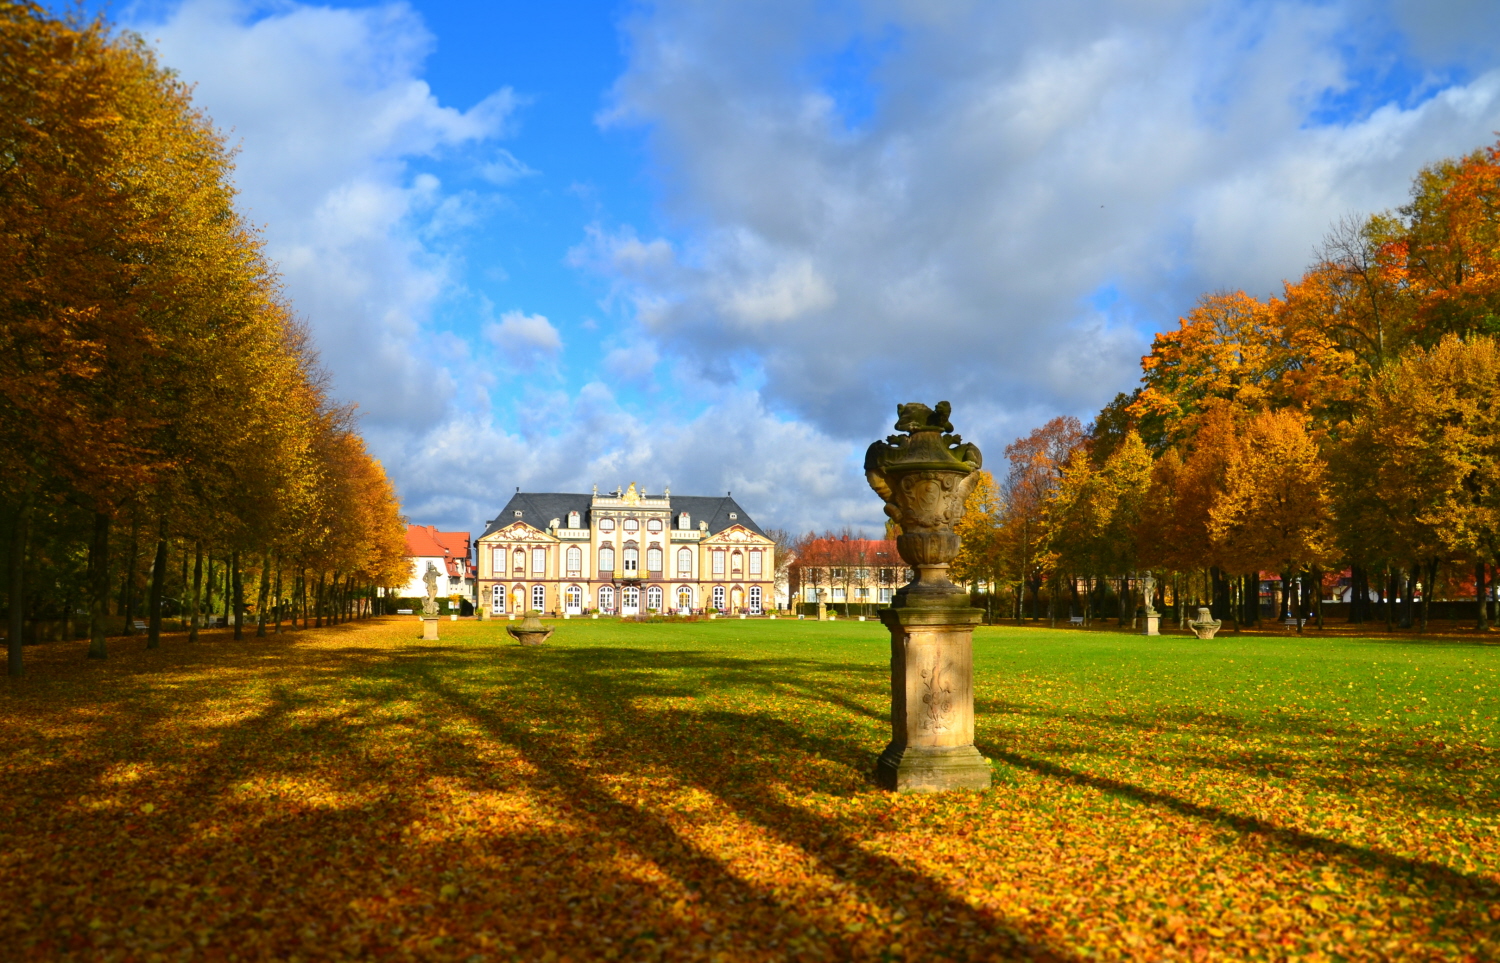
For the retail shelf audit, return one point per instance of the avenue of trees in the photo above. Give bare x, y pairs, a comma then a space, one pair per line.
1351, 423
166, 442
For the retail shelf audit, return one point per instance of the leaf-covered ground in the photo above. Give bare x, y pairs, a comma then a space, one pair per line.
701, 791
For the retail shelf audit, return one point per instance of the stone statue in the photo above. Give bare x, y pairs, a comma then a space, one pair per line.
429, 604
924, 477
1148, 591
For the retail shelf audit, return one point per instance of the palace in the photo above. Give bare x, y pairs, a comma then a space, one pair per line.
624, 553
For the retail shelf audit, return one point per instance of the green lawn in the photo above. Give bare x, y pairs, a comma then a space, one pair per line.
702, 790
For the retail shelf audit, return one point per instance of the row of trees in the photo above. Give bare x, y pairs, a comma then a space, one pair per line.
1351, 423
153, 380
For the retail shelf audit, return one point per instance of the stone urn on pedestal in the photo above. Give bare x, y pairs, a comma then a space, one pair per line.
924, 477
531, 631
429, 605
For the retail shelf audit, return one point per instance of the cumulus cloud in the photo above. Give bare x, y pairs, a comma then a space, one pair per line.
942, 225
524, 338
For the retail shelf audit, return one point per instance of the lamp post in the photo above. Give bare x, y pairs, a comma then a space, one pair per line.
924, 476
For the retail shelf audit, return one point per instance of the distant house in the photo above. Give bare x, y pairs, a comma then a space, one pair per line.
861, 571
449, 551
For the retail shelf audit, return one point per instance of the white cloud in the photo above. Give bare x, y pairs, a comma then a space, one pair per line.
523, 338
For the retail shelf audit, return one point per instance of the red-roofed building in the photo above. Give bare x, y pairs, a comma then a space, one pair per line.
450, 552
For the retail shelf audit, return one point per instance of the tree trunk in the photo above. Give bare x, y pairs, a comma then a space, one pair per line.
318, 603
228, 587
128, 599
278, 596
17, 627
98, 586
158, 580
1408, 600
1427, 582
263, 596
237, 589
197, 588
1482, 622
1317, 582
1390, 599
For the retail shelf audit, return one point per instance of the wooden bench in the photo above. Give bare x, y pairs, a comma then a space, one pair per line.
1075, 620
139, 625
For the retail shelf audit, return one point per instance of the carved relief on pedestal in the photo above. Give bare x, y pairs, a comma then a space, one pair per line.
937, 695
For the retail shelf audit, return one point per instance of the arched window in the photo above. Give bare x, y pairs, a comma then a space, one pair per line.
684, 600
606, 559
519, 561
630, 600
606, 599
718, 563
739, 564
539, 597
497, 600
653, 598
755, 600
572, 519
654, 525
684, 562
632, 562
575, 560
653, 560
575, 600
631, 525
684, 522
754, 563
538, 561
606, 524
719, 597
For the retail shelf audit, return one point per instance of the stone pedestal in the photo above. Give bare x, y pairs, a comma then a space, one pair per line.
429, 630
484, 614
932, 702
1153, 625
822, 612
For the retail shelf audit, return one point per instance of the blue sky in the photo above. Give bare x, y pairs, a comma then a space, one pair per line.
711, 246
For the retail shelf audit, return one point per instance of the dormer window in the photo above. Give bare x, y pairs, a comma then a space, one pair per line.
732, 516
684, 522
518, 513
572, 519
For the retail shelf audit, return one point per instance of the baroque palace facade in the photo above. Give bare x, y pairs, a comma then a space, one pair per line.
624, 553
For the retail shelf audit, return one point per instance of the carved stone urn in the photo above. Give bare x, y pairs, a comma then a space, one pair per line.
924, 476
531, 631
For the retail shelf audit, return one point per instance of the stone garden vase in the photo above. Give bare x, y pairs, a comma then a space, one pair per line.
531, 631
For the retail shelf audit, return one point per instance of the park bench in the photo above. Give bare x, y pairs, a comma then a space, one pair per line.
139, 625
1075, 620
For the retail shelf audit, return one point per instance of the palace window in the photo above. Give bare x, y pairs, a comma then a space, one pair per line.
653, 598
497, 561
632, 562
497, 600
631, 525
654, 525
684, 600
684, 522
653, 560
606, 559
606, 524
606, 598
575, 560
838, 593
539, 597
575, 599
630, 598
755, 563
755, 600
719, 597
718, 563
684, 562
538, 561
572, 519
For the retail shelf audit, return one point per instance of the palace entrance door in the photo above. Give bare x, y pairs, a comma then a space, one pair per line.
630, 600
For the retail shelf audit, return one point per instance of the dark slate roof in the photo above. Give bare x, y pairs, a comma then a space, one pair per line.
538, 509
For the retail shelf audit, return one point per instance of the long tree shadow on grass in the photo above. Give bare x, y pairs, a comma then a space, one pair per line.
1309, 747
